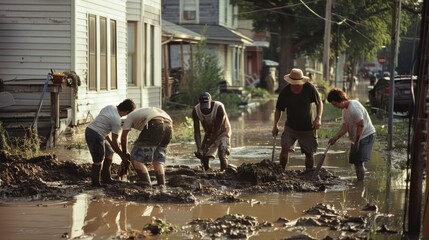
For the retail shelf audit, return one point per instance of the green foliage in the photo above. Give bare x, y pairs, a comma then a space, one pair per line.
257, 92
203, 74
26, 147
184, 132
359, 28
331, 121
159, 226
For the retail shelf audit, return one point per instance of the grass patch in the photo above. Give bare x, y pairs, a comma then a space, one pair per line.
26, 147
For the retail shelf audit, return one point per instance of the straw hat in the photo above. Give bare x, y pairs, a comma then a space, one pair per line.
296, 77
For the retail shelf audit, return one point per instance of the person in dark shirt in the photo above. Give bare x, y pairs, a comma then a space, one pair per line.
296, 98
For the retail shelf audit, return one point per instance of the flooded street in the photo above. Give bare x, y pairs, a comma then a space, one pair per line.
92, 216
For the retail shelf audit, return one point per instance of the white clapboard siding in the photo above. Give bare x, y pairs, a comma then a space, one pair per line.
89, 103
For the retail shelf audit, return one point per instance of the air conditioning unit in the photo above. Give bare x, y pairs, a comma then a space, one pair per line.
189, 15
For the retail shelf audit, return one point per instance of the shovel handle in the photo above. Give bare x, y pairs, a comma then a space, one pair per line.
274, 148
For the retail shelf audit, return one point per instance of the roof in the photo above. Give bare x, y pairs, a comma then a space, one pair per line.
220, 34
179, 32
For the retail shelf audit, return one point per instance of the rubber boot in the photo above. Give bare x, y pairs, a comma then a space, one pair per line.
360, 173
106, 171
160, 178
283, 163
223, 164
205, 162
95, 175
145, 177
309, 163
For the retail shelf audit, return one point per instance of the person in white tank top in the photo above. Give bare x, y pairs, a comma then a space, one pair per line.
215, 122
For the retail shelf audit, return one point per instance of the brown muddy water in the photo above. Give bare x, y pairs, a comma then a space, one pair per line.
89, 217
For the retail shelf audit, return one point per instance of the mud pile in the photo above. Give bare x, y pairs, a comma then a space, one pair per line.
48, 178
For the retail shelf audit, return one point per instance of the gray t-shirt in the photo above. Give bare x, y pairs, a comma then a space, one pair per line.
353, 114
108, 120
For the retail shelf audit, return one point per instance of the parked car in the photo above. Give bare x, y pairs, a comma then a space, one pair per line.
378, 95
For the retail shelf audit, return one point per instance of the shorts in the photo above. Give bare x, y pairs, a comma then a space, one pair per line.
306, 139
364, 152
221, 144
98, 146
151, 145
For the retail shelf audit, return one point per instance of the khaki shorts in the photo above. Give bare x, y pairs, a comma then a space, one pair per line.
221, 143
306, 139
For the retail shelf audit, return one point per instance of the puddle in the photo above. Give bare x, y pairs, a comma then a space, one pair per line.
94, 217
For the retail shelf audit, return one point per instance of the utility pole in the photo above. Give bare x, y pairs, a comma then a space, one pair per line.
396, 21
327, 41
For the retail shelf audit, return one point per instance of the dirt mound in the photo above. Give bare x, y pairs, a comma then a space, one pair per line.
48, 178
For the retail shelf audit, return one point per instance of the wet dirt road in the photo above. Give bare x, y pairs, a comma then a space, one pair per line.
91, 216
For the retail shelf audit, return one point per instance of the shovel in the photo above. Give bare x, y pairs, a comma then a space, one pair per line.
274, 148
320, 162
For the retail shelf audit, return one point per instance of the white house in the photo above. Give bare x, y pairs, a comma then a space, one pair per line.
113, 45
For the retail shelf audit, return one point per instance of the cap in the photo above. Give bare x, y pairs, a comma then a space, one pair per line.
205, 100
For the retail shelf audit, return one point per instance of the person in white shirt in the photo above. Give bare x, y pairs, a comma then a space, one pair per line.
156, 132
357, 123
101, 145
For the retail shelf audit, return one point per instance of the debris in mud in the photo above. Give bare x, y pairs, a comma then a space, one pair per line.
324, 215
159, 226
48, 178
233, 226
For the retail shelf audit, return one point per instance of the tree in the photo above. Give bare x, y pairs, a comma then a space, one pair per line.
202, 74
362, 27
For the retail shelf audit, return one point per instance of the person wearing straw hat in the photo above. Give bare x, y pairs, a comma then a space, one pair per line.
296, 99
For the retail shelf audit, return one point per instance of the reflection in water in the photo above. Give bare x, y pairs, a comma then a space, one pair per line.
105, 218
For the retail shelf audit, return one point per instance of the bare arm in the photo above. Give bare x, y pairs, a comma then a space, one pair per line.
318, 120
124, 141
197, 133
359, 130
277, 116
115, 145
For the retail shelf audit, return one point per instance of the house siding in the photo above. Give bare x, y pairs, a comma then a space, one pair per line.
143, 94
89, 103
209, 12
35, 36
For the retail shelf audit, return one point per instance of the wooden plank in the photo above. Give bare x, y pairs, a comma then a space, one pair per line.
25, 87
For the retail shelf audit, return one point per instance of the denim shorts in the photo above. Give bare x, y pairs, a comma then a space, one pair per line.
364, 152
151, 145
98, 146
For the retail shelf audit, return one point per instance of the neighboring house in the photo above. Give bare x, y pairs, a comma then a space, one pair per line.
176, 42
223, 39
112, 45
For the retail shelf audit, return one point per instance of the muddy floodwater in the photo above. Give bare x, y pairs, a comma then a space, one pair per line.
90, 215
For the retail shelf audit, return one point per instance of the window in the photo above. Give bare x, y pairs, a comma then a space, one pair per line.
189, 10
132, 54
103, 53
92, 58
113, 61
